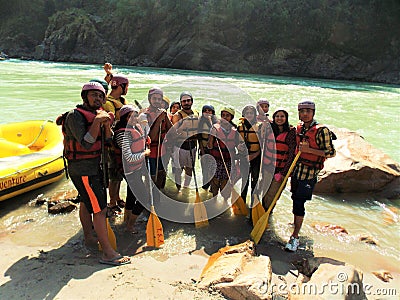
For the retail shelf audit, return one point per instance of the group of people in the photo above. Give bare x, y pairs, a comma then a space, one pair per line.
139, 143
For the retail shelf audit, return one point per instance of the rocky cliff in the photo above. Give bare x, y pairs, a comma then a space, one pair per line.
304, 39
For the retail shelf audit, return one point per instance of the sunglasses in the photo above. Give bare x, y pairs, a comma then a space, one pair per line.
187, 100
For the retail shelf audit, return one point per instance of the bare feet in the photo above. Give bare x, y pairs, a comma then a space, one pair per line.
130, 224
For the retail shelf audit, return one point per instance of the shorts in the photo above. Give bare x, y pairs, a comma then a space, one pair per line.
182, 158
301, 192
91, 192
114, 170
114, 174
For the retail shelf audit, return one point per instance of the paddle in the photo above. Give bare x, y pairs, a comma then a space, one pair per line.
200, 211
158, 150
238, 206
257, 210
110, 233
154, 229
262, 223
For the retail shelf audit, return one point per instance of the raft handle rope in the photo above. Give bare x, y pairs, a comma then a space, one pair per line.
37, 137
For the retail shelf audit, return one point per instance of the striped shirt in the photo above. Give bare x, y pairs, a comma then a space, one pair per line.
324, 141
124, 141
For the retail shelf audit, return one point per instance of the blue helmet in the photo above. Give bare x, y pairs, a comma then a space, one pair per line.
208, 106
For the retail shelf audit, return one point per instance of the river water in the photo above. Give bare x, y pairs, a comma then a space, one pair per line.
41, 90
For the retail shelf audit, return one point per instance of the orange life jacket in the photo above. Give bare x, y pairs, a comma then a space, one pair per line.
226, 142
310, 135
73, 150
250, 136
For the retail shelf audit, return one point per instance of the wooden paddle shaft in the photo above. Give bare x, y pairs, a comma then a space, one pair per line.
283, 184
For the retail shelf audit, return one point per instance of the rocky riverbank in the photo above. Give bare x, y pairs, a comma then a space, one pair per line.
68, 270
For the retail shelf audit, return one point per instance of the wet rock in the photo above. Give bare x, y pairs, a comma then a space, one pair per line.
237, 273
62, 207
330, 228
368, 239
308, 266
40, 201
385, 276
358, 167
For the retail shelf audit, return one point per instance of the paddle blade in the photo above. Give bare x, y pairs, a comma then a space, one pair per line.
238, 207
258, 230
200, 212
154, 230
262, 223
111, 237
257, 211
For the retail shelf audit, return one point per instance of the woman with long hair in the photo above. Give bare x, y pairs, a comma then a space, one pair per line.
285, 144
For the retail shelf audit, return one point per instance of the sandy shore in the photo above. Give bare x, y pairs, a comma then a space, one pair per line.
70, 271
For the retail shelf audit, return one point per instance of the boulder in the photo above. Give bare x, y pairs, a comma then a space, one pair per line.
358, 167
331, 282
329, 279
308, 266
237, 273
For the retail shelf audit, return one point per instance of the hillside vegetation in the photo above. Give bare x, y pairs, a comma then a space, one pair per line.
348, 39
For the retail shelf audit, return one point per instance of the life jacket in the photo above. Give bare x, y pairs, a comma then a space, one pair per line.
74, 150
269, 153
117, 105
188, 139
249, 135
156, 148
282, 150
138, 145
226, 142
310, 135
170, 116
204, 131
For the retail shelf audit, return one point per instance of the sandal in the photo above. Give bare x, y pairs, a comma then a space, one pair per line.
121, 203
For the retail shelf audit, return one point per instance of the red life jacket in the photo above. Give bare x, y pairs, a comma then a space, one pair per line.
309, 159
138, 145
73, 150
282, 150
269, 154
226, 142
156, 149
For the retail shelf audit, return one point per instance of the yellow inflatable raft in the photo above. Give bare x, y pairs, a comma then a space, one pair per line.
30, 156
